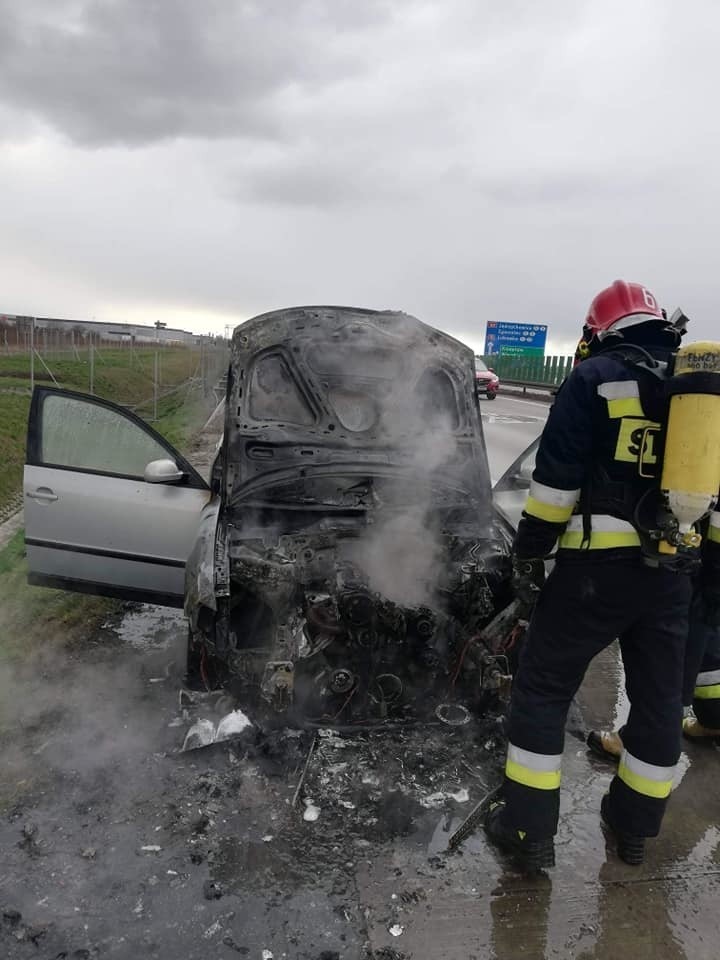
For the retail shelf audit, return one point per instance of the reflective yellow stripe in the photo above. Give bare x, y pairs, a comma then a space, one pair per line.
649, 788
711, 692
714, 533
548, 511
606, 532
599, 540
539, 779
645, 778
625, 407
559, 496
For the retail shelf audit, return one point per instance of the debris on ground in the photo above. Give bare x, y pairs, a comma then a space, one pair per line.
233, 725
386, 953
28, 840
312, 812
212, 890
219, 825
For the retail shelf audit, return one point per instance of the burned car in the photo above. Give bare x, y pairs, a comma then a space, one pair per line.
346, 559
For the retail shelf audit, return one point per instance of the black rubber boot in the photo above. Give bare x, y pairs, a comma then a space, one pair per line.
532, 855
631, 849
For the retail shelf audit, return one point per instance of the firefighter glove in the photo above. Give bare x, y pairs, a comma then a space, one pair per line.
528, 578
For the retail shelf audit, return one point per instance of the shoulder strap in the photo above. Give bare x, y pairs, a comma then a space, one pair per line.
637, 358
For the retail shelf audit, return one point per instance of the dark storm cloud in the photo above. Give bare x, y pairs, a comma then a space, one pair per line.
137, 71
464, 160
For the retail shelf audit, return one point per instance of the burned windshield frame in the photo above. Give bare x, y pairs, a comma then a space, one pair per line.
382, 423
371, 490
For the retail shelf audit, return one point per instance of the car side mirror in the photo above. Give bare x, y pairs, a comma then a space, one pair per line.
520, 480
163, 471
523, 475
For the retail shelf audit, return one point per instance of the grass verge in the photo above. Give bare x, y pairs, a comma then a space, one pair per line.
118, 375
33, 617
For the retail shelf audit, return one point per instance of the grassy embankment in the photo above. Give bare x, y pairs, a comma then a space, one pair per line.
31, 617
118, 375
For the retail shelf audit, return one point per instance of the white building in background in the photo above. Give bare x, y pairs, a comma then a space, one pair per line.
100, 331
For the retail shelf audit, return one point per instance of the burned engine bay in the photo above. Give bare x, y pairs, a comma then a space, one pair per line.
356, 556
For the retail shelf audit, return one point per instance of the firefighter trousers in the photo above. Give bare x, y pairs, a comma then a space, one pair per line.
701, 684
584, 606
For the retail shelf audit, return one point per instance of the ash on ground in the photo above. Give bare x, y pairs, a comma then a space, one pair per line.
116, 845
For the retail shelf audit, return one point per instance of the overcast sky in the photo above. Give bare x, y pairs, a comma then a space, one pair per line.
201, 161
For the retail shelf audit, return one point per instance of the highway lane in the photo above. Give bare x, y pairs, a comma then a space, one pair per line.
510, 425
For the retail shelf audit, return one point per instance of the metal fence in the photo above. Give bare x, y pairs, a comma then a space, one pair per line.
47, 349
549, 371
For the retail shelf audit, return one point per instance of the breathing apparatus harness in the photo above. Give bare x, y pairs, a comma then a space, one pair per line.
662, 542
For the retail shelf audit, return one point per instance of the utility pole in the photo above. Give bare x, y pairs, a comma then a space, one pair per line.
32, 353
92, 364
202, 363
158, 328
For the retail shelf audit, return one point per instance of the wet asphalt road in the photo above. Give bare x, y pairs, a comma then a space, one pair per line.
510, 425
116, 849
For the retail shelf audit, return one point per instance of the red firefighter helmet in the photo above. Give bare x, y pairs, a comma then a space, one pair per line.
622, 304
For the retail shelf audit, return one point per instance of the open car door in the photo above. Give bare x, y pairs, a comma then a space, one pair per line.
511, 491
110, 507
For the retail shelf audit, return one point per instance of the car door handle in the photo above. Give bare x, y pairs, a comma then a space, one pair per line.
42, 495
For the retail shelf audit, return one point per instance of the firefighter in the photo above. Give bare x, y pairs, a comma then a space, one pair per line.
703, 723
597, 465
701, 673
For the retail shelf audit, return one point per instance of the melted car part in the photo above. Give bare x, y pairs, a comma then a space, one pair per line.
359, 556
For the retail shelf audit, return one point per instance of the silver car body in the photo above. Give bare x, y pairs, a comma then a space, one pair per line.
93, 522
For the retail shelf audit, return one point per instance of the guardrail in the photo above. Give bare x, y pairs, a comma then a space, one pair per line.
538, 371
523, 386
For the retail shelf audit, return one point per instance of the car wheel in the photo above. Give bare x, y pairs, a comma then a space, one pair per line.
490, 396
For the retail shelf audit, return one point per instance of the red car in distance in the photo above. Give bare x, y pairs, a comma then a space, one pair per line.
487, 381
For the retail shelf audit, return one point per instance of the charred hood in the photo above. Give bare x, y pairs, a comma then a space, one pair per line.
323, 392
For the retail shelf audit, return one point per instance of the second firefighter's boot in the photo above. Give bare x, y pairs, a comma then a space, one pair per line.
694, 730
631, 849
606, 744
531, 854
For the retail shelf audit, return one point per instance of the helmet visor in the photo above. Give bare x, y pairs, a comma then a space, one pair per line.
630, 321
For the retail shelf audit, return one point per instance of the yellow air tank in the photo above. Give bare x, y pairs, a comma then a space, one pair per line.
691, 464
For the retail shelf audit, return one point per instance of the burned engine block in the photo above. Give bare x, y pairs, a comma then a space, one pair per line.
307, 634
